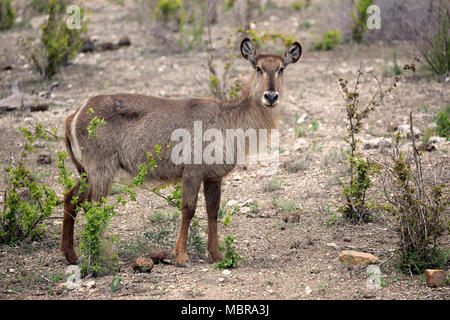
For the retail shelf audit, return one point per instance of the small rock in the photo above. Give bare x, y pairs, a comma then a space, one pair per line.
434, 278
124, 41
88, 46
356, 258
291, 217
226, 272
106, 46
158, 255
221, 279
332, 245
12, 270
308, 290
245, 210
376, 143
302, 118
143, 265
437, 140
44, 159
301, 144
426, 147
90, 284
369, 295
60, 288
315, 270
347, 239
74, 280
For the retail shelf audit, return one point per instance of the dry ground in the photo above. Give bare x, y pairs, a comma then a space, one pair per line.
281, 260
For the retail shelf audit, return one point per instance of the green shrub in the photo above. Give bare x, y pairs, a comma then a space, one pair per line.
437, 50
27, 202
94, 246
191, 25
421, 211
41, 6
394, 70
442, 120
304, 25
58, 43
230, 257
224, 214
167, 9
6, 15
329, 40
357, 207
297, 5
272, 185
360, 19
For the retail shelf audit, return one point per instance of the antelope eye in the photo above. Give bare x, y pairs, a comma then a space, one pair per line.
259, 70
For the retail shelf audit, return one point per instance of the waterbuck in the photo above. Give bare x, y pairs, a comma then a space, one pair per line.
134, 124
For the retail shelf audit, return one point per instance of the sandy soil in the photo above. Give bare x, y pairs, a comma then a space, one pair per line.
282, 260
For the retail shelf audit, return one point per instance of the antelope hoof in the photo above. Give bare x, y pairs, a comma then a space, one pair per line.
216, 256
70, 255
182, 260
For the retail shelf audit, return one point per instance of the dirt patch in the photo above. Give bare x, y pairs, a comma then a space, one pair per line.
284, 257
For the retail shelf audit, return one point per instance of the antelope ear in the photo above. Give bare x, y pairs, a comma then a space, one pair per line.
292, 54
248, 51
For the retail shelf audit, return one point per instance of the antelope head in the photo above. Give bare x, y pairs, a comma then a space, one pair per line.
267, 80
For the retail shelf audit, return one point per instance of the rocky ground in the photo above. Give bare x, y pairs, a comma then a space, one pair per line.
282, 260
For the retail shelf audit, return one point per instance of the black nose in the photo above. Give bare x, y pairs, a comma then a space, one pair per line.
271, 97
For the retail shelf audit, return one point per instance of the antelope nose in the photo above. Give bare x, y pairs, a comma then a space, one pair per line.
271, 97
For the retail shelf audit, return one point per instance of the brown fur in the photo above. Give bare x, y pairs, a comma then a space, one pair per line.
134, 124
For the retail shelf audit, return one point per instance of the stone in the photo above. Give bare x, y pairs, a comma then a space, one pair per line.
301, 144
90, 284
124, 41
376, 143
356, 258
74, 280
434, 278
158, 255
245, 210
143, 265
291, 217
226, 272
308, 290
428, 147
437, 140
44, 159
332, 245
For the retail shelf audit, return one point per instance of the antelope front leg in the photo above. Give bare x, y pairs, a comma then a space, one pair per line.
191, 186
212, 190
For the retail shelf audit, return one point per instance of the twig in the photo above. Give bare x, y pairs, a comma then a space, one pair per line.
389, 258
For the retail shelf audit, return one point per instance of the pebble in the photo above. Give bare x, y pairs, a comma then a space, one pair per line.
226, 272
90, 284
332, 244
